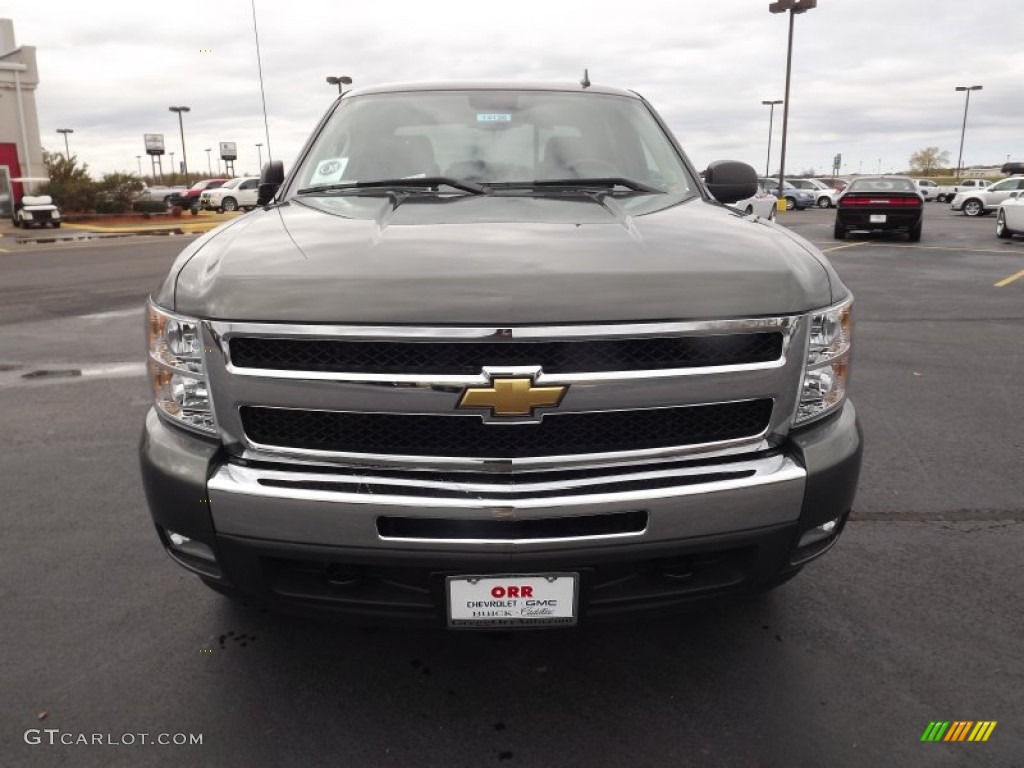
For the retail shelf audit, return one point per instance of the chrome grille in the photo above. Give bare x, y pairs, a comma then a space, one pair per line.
388, 396
557, 434
469, 357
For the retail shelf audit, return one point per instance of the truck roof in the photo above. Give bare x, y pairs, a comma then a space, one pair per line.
496, 85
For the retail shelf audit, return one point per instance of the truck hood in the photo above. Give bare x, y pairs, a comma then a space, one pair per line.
495, 260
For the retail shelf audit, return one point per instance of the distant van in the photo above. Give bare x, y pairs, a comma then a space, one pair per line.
1011, 168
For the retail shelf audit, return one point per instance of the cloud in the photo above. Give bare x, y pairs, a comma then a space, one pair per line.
871, 79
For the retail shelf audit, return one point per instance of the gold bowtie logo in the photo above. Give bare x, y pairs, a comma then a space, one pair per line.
512, 397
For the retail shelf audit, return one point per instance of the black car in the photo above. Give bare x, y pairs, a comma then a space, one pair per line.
880, 204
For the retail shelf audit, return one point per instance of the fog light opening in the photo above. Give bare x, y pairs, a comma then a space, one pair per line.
817, 540
186, 546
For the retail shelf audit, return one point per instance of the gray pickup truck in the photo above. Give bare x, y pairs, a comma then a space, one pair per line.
490, 356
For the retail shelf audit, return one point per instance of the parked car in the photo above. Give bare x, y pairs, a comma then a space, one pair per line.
159, 194
190, 197
1010, 218
231, 195
880, 204
927, 188
836, 183
824, 195
763, 203
36, 211
574, 386
981, 201
948, 192
797, 199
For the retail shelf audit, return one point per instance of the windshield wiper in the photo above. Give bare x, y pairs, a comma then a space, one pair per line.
415, 183
606, 181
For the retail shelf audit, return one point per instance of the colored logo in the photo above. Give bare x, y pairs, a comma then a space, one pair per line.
958, 730
512, 397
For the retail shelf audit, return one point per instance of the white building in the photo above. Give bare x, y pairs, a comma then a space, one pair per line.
21, 148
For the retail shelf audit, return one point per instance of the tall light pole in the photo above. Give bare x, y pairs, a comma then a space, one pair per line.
339, 81
209, 165
66, 131
181, 127
173, 169
771, 120
794, 7
259, 148
963, 129
138, 159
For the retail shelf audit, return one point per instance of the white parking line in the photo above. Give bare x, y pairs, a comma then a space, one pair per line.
113, 313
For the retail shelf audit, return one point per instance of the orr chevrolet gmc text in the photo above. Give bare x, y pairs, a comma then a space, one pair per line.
492, 355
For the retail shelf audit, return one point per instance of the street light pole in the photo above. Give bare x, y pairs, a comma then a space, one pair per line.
771, 120
963, 128
181, 127
259, 148
173, 169
339, 81
209, 165
138, 158
794, 7
66, 131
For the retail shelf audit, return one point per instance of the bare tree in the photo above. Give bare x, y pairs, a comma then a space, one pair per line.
926, 160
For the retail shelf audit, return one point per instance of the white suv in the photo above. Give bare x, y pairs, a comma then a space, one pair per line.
824, 195
978, 202
232, 195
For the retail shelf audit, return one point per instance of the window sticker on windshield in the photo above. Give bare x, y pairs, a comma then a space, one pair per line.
329, 171
493, 117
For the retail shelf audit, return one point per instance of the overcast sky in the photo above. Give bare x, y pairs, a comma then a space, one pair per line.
872, 79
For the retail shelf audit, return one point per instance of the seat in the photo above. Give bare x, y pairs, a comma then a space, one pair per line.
411, 156
394, 157
560, 155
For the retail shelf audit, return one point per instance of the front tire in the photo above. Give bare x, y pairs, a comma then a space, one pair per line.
1003, 231
973, 207
229, 204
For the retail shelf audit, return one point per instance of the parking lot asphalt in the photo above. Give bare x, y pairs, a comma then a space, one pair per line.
913, 617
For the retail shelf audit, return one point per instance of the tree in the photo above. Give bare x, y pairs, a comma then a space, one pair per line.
926, 160
117, 191
70, 184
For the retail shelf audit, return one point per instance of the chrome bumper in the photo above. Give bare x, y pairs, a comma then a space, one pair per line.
681, 502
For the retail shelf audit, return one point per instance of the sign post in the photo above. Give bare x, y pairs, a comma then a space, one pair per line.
155, 149
229, 153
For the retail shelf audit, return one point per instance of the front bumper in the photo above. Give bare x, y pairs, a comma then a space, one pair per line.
317, 541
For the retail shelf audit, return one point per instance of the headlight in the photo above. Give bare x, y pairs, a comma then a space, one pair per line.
827, 370
177, 372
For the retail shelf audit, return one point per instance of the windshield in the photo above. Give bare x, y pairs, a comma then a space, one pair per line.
491, 137
231, 184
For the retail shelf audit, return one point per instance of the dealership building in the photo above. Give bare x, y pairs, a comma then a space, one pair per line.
21, 148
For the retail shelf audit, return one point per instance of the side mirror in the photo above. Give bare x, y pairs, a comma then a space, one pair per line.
729, 181
270, 179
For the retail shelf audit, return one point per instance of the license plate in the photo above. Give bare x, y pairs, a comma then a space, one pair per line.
878, 218
518, 600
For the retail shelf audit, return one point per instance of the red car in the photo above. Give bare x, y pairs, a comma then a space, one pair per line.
190, 197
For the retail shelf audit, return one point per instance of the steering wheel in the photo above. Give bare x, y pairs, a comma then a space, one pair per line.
593, 168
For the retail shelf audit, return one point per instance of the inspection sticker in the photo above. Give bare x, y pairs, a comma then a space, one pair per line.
329, 171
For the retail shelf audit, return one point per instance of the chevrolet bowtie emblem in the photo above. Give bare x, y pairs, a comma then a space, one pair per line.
512, 397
